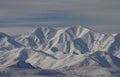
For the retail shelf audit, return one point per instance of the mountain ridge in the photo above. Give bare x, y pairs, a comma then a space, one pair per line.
50, 48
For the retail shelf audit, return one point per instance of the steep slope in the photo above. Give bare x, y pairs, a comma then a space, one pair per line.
67, 48
115, 46
67, 42
37, 37
8, 43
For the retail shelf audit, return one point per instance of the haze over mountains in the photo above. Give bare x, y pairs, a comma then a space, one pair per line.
73, 50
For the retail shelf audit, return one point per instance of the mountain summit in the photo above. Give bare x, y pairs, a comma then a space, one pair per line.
71, 48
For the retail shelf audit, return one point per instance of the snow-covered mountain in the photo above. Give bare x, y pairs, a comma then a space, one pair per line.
70, 50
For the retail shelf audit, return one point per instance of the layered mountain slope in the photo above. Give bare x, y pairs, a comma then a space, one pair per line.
45, 38
70, 47
8, 43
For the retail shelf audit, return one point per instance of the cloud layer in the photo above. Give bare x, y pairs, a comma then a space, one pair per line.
60, 12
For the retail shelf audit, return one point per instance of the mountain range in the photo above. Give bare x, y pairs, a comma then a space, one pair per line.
69, 51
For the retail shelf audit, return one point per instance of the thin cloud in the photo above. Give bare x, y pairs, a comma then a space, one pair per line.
72, 12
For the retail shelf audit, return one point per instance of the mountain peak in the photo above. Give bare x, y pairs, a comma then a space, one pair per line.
55, 48
42, 28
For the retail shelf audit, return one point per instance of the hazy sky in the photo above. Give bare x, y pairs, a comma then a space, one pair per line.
101, 15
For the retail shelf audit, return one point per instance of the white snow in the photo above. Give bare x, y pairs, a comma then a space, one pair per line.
51, 48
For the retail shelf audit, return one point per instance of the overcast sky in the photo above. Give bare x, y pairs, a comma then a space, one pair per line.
101, 15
